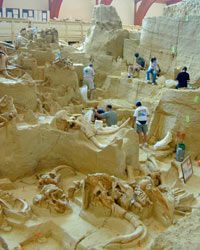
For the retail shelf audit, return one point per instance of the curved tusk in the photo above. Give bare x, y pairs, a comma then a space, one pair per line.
97, 143
138, 235
25, 206
129, 237
115, 130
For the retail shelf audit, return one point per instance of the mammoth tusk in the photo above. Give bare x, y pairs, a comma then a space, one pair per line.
115, 130
90, 134
136, 236
97, 143
25, 206
129, 237
61, 167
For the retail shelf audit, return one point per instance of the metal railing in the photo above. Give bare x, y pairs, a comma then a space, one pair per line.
69, 31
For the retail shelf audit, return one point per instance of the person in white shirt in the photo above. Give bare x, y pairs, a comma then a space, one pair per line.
152, 70
141, 115
88, 79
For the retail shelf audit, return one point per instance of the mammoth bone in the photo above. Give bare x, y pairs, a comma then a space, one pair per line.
64, 122
91, 132
51, 194
102, 189
11, 207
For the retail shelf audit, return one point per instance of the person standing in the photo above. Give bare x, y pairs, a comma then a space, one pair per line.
110, 116
3, 62
152, 70
88, 79
183, 79
141, 115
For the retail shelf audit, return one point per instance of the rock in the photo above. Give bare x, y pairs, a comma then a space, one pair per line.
185, 9
183, 235
178, 110
171, 84
130, 48
169, 39
106, 34
27, 148
23, 93
6, 184
161, 80
30, 117
64, 84
142, 156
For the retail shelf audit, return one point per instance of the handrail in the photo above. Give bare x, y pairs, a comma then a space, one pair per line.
68, 30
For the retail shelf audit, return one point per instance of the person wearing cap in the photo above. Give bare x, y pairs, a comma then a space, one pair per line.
88, 79
110, 116
141, 115
183, 79
153, 70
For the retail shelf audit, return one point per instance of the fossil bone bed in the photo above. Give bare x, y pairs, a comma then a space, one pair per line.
67, 183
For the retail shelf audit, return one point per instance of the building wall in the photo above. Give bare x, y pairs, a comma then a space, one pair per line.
82, 9
125, 9
27, 4
156, 9
77, 9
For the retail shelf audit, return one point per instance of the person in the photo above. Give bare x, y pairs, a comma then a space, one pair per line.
3, 63
99, 111
152, 70
140, 65
140, 60
21, 39
183, 79
141, 115
110, 116
88, 79
31, 31
131, 71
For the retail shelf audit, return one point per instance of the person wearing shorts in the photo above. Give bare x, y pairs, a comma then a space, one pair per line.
141, 115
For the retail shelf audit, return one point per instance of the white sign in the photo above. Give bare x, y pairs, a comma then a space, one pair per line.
187, 168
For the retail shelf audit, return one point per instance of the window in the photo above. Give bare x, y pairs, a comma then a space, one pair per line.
12, 13
1, 12
44, 15
27, 13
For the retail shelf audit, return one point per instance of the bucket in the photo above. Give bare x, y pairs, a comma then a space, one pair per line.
180, 153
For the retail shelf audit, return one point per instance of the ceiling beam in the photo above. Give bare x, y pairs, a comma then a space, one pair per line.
105, 2
145, 5
142, 11
54, 8
1, 3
